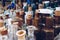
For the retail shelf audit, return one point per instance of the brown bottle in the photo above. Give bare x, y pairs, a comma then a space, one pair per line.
17, 14
36, 21
22, 14
20, 22
57, 17
49, 22
29, 20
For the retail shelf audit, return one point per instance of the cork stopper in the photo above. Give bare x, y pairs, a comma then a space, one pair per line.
29, 8
29, 16
21, 12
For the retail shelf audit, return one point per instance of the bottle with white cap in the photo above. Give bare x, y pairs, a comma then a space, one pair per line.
15, 29
31, 32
